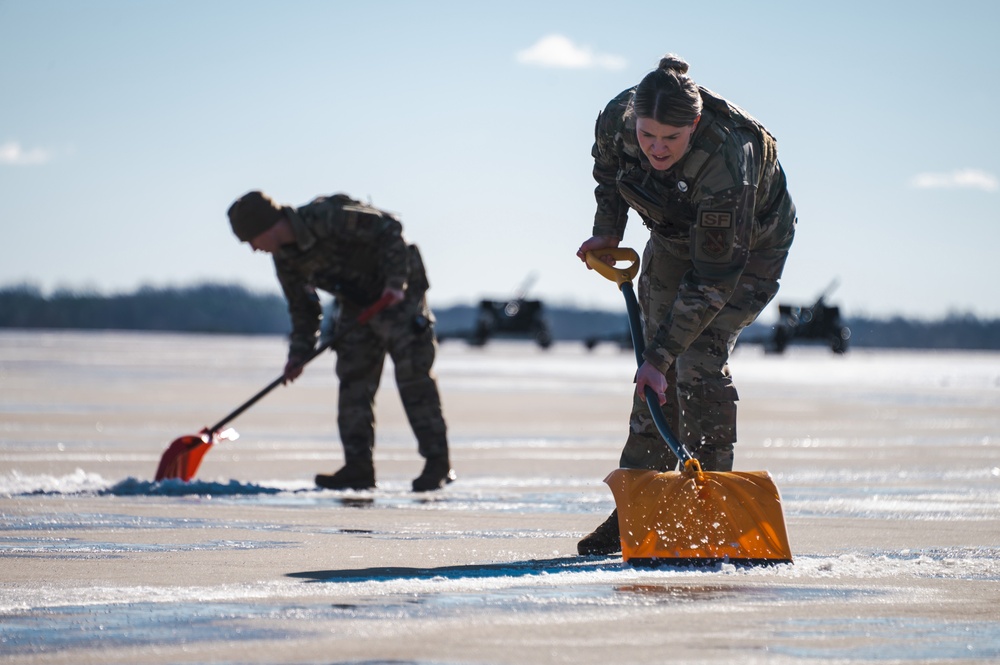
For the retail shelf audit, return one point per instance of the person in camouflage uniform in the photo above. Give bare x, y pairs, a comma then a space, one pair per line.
704, 177
357, 253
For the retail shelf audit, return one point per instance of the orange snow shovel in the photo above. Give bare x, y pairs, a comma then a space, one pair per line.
688, 516
182, 458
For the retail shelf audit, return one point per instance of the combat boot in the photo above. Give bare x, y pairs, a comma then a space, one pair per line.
605, 539
436, 474
353, 476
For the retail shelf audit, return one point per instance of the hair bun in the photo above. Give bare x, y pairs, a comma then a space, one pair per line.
674, 62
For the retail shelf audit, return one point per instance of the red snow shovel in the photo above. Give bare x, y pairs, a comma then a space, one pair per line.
688, 516
182, 458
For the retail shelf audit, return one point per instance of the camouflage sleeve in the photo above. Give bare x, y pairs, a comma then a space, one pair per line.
395, 257
303, 308
720, 249
612, 210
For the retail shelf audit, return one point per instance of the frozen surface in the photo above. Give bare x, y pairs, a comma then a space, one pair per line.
887, 463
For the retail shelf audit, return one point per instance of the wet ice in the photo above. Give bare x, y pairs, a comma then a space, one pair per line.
869, 451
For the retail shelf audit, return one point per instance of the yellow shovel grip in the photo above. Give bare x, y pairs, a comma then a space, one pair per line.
616, 275
692, 467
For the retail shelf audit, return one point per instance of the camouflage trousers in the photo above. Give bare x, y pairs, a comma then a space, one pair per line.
701, 397
406, 333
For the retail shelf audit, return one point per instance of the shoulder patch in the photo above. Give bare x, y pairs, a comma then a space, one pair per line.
715, 236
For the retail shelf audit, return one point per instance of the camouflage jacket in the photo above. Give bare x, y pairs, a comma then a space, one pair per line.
346, 248
722, 202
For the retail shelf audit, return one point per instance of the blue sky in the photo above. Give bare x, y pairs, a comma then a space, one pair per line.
127, 128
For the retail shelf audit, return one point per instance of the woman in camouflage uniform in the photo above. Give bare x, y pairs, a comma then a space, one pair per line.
704, 177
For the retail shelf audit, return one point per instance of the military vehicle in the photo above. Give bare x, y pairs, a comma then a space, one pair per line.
818, 322
517, 318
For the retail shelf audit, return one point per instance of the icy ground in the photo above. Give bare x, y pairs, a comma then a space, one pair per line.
887, 464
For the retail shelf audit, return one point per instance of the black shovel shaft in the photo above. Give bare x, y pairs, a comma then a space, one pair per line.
246, 405
362, 319
652, 399
634, 322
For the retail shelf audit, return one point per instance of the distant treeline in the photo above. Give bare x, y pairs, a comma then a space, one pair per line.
952, 332
222, 308
210, 308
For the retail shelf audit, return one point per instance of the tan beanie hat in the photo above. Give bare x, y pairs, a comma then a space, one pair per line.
252, 214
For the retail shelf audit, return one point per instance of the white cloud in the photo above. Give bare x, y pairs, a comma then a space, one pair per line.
559, 52
964, 178
12, 153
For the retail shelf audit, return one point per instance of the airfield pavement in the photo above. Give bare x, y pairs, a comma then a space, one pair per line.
887, 462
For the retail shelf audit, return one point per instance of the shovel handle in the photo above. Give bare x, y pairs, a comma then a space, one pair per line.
617, 275
623, 277
652, 400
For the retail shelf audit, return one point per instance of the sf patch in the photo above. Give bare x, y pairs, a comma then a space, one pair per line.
715, 235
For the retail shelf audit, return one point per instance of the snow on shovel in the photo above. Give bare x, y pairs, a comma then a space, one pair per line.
688, 516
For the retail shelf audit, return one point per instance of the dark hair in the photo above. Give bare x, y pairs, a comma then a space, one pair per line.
667, 95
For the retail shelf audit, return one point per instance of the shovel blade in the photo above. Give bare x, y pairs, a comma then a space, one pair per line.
700, 517
182, 457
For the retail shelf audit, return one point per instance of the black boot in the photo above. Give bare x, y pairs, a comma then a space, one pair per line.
605, 539
436, 474
353, 476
